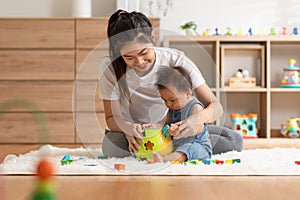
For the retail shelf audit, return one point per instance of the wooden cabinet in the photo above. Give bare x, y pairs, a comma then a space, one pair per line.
40, 66
220, 57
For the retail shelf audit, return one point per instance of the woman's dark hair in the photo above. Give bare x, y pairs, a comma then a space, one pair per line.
125, 27
174, 76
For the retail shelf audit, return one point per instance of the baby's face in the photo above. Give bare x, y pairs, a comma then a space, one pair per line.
173, 98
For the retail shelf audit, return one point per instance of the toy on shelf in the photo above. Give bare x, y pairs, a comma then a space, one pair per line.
291, 128
245, 124
291, 75
157, 140
242, 79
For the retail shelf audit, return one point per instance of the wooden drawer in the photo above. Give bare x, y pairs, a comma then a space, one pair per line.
91, 32
37, 64
88, 131
37, 33
46, 96
28, 128
88, 63
87, 97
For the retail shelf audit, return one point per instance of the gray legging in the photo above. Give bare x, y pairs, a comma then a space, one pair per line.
222, 139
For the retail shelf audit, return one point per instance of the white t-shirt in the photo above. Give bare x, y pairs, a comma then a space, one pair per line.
146, 104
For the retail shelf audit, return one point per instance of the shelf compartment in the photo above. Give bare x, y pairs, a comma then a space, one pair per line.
245, 56
284, 105
245, 103
280, 54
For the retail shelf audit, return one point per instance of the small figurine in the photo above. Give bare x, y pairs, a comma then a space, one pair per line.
295, 31
228, 33
272, 31
206, 32
261, 32
284, 30
240, 32
216, 31
250, 31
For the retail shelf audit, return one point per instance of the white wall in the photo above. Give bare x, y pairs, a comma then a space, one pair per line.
207, 14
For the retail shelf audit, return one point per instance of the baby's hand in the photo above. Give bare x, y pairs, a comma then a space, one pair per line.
174, 129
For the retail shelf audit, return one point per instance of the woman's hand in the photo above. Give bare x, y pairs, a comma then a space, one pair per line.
188, 127
133, 133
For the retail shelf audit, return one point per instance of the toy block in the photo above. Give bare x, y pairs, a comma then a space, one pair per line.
102, 157
150, 162
175, 162
297, 162
221, 162
165, 130
193, 162
119, 167
206, 162
66, 157
229, 161
236, 160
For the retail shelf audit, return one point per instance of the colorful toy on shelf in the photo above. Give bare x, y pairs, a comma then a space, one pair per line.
295, 31
228, 31
244, 124
291, 75
291, 128
154, 140
272, 31
250, 31
284, 32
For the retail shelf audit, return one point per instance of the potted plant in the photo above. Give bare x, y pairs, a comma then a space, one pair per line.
190, 28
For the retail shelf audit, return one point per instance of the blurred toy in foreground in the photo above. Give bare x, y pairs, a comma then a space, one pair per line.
45, 189
291, 128
157, 140
245, 124
291, 75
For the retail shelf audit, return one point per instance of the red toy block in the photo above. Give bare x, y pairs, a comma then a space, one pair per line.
297, 162
219, 162
119, 167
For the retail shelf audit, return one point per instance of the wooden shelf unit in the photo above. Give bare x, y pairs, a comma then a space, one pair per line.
40, 60
264, 57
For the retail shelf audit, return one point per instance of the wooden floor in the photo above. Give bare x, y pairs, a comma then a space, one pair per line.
157, 187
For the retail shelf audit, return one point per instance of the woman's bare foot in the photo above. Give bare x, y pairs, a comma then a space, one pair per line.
157, 157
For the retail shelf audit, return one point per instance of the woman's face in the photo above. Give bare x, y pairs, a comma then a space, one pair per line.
139, 56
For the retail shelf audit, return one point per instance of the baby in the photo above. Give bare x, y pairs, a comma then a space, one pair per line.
175, 88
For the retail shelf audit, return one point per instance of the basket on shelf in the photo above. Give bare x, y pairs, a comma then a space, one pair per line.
242, 82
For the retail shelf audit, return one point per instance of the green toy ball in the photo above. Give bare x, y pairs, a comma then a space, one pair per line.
154, 141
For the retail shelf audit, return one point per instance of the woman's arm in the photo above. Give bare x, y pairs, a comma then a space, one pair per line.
116, 123
212, 111
212, 107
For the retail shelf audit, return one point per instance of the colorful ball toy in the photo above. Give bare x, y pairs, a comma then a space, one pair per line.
155, 140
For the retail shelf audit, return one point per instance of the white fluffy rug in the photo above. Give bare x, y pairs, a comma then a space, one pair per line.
276, 161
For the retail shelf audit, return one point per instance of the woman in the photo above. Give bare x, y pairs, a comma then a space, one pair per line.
130, 97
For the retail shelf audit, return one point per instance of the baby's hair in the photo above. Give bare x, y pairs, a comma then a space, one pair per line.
174, 76
125, 27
